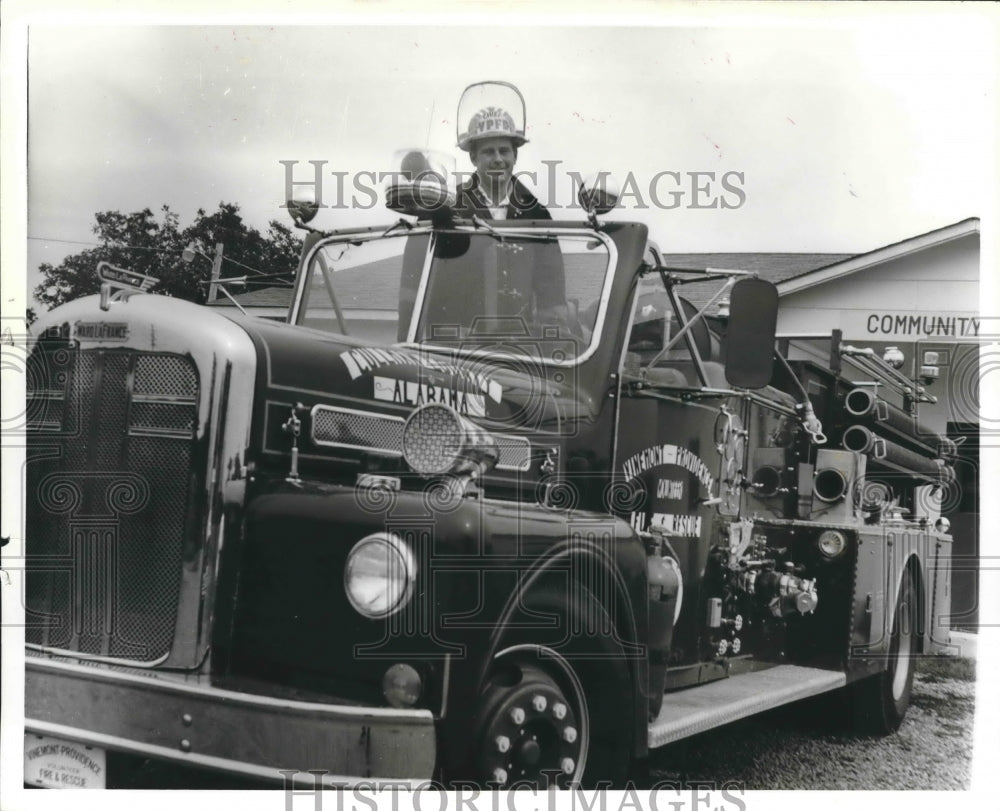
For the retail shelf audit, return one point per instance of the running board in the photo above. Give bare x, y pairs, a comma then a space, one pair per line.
698, 709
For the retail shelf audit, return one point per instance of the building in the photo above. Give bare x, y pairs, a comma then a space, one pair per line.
920, 295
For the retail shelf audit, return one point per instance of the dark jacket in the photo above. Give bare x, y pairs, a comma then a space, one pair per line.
522, 205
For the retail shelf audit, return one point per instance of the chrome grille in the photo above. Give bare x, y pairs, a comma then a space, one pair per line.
110, 499
359, 430
165, 376
515, 453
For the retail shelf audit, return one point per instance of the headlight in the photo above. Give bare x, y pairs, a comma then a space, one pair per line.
379, 575
832, 543
438, 440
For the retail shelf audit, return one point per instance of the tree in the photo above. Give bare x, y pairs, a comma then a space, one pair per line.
142, 242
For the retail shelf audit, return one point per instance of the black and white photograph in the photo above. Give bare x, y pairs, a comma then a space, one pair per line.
464, 404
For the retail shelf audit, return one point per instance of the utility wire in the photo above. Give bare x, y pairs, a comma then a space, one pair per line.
237, 262
145, 248
66, 241
106, 245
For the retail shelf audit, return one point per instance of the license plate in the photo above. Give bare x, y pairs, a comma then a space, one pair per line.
55, 763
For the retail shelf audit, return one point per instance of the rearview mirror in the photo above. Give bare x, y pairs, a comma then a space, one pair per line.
753, 320
598, 194
303, 206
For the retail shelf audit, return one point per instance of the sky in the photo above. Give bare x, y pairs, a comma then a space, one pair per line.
839, 138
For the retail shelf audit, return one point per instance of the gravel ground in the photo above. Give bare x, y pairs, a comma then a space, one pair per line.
801, 747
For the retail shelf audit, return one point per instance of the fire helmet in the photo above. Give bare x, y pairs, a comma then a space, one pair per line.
491, 122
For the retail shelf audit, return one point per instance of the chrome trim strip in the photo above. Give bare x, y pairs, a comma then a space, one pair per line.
418, 303
160, 433
163, 399
207, 691
445, 684
49, 650
504, 442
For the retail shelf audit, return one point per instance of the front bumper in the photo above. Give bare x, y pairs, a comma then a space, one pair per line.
240, 733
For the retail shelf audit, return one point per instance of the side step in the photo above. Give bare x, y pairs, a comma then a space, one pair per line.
698, 709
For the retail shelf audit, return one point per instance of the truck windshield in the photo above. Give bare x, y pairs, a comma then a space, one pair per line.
520, 292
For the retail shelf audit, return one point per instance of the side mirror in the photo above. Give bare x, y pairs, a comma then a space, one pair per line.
753, 320
598, 194
303, 206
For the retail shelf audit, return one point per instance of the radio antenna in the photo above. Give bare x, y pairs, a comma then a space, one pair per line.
430, 121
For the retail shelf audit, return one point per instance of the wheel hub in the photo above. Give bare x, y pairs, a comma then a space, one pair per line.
529, 754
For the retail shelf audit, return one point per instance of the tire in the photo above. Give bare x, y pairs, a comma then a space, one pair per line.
575, 725
880, 702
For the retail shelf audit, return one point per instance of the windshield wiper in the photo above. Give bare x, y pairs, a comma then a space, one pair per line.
399, 223
479, 222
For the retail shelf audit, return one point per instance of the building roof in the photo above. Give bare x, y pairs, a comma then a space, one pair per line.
264, 297
774, 267
864, 261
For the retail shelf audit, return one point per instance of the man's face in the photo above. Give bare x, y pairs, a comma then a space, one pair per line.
494, 160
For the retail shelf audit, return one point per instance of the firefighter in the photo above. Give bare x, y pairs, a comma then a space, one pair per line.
531, 279
493, 192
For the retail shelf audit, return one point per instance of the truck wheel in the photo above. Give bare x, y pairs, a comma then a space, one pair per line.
556, 716
880, 702
534, 721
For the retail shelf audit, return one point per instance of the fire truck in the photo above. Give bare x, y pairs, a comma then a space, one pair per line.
422, 531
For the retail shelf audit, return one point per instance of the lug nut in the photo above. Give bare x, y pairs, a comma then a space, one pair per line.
559, 710
539, 703
503, 743
567, 765
517, 715
500, 776
569, 734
